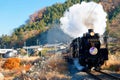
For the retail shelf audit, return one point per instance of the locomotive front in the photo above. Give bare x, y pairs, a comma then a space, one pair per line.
88, 50
90, 43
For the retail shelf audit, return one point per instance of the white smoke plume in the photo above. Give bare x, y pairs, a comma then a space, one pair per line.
81, 17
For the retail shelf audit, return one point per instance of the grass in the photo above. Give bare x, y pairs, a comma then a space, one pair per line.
113, 63
57, 63
53, 68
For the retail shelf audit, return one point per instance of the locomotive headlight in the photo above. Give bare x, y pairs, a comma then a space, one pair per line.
92, 33
93, 50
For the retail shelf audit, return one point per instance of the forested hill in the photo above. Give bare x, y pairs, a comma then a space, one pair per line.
42, 20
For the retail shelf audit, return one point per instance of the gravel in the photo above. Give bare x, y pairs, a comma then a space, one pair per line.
79, 75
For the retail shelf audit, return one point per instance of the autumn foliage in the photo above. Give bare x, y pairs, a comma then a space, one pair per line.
12, 63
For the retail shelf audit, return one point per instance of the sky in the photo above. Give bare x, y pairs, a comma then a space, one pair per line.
14, 13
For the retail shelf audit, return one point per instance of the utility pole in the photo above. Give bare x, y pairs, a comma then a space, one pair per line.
25, 43
26, 47
37, 42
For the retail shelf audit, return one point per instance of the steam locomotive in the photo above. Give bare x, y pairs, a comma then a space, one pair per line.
88, 49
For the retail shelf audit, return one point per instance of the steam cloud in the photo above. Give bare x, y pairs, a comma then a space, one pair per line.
81, 17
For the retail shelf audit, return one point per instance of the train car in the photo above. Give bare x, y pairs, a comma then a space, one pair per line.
88, 49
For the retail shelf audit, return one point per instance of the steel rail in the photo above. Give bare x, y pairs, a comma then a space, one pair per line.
94, 76
112, 76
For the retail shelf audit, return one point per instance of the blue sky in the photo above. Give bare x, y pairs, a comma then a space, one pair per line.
14, 13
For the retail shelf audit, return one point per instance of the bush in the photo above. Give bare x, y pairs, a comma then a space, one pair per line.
12, 63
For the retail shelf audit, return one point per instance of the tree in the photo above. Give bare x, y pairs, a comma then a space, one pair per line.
4, 41
14, 38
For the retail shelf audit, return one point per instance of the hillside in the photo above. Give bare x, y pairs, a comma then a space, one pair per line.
114, 32
41, 21
48, 39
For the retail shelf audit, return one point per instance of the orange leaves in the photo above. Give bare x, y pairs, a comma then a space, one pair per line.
12, 63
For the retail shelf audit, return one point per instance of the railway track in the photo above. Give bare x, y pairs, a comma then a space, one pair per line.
100, 75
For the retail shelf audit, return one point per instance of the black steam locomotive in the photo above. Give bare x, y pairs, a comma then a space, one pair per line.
88, 50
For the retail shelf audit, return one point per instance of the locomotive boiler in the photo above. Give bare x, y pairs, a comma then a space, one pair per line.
88, 49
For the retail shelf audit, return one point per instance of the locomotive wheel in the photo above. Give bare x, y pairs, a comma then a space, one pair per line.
97, 68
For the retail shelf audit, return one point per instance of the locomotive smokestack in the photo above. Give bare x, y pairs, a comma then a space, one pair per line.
90, 30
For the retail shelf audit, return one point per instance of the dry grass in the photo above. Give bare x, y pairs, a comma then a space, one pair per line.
53, 68
57, 63
29, 59
113, 63
12, 67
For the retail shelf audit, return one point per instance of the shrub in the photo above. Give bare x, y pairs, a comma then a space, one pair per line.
12, 63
